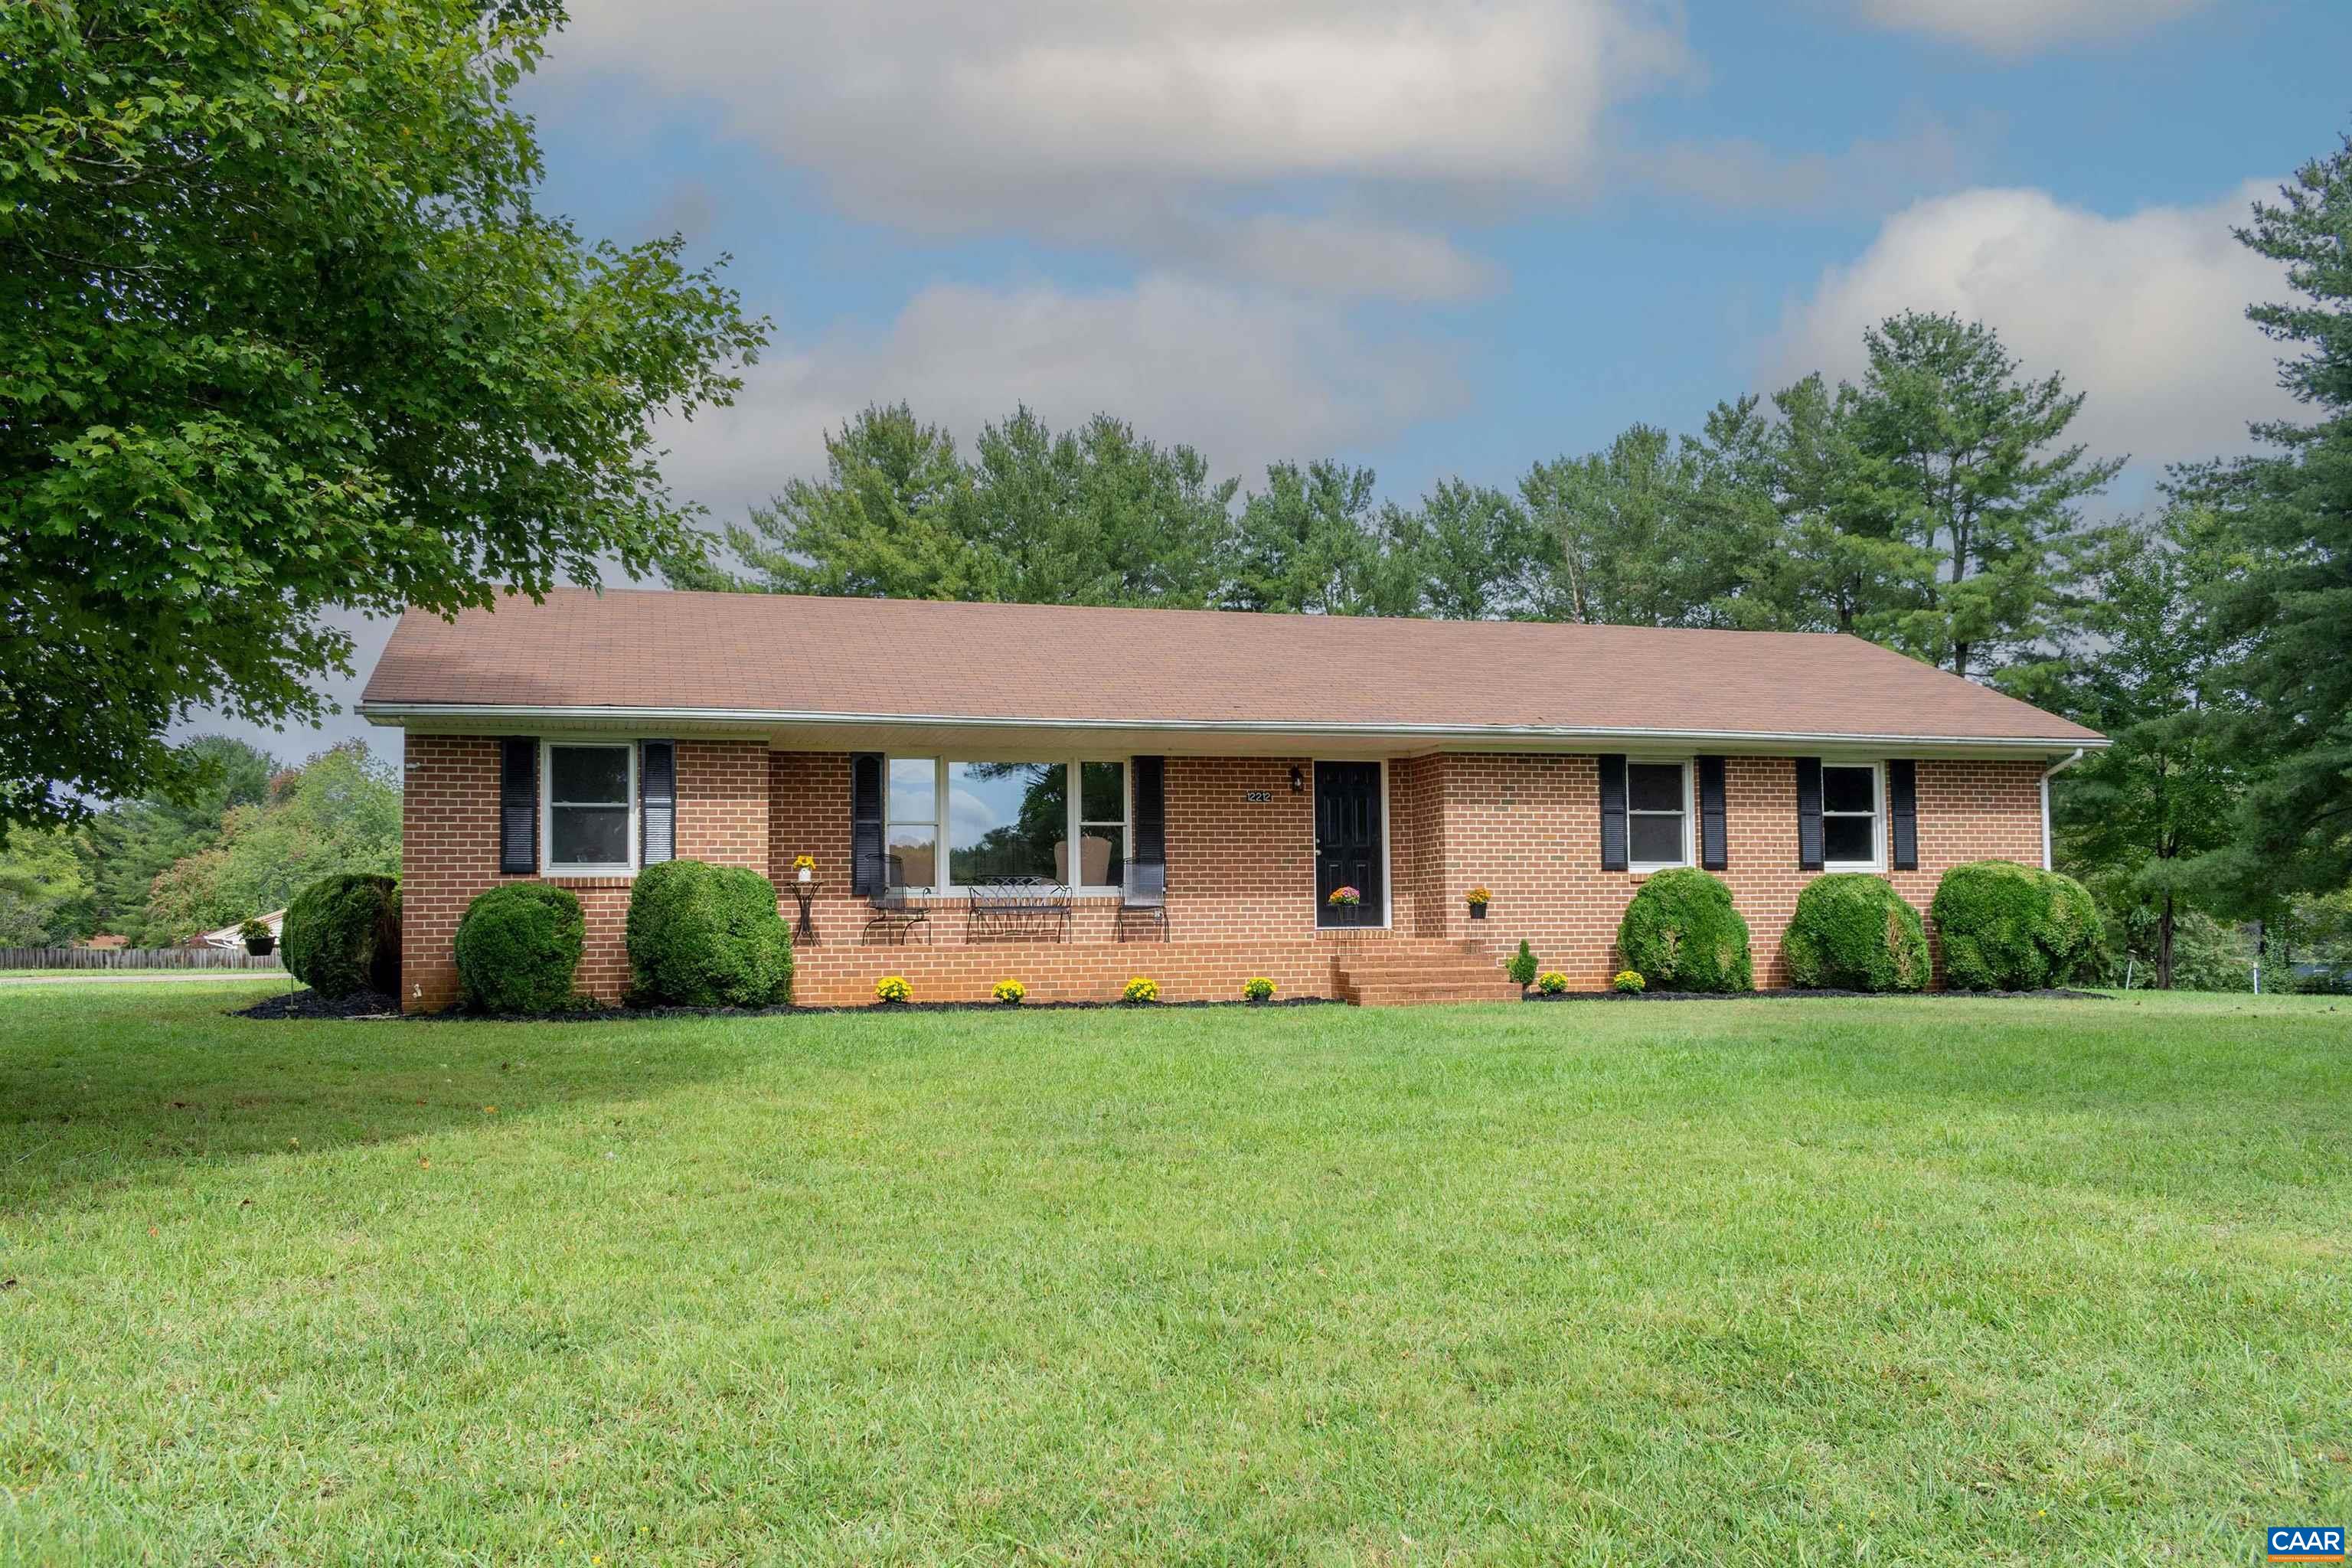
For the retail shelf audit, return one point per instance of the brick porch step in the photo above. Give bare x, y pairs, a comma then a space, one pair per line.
1430, 973
1417, 995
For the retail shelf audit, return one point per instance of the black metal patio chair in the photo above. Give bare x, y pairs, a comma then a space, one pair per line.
1143, 896
895, 914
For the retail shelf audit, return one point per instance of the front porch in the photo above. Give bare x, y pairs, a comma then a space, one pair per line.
1368, 966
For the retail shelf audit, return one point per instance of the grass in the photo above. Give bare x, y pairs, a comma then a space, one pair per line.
1892, 1282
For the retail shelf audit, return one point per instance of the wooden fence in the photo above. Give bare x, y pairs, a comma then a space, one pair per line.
136, 958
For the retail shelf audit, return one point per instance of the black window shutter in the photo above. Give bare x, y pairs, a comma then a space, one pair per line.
1903, 800
1613, 812
1809, 813
657, 801
1714, 845
1150, 811
518, 807
866, 822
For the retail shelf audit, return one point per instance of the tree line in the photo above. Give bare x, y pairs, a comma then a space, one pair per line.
1933, 505
164, 867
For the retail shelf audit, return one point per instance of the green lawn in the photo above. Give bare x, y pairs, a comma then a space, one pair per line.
1901, 1282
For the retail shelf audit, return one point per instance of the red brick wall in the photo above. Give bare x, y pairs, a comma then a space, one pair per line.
449, 852
1240, 873
1529, 828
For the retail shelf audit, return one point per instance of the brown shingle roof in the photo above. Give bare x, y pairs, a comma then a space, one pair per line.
762, 654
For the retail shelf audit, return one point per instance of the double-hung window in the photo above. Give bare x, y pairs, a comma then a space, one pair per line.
912, 812
590, 792
956, 824
1657, 815
1852, 839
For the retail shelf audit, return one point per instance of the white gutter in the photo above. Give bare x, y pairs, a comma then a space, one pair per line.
402, 713
2052, 771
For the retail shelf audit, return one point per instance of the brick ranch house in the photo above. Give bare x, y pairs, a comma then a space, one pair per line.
940, 753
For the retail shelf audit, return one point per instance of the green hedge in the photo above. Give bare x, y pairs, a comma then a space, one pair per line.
1853, 931
2007, 927
343, 934
519, 947
1682, 934
708, 936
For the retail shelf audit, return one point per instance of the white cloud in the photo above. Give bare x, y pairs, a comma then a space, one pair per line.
2145, 313
1244, 376
1095, 121
2022, 26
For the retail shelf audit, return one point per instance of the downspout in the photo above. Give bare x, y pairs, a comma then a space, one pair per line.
2052, 771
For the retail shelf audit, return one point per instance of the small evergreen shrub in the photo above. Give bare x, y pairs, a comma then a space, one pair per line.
1682, 934
1141, 990
1853, 931
518, 946
1628, 982
1009, 992
708, 936
2007, 927
891, 990
1522, 967
1551, 982
1258, 988
343, 934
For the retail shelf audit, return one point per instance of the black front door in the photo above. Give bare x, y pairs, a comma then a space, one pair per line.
1348, 838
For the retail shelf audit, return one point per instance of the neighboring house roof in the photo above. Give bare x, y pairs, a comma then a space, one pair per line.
233, 935
775, 659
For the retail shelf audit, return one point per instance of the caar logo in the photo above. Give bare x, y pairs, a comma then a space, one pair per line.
2306, 1543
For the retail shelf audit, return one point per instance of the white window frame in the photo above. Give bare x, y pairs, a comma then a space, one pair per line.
1074, 822
547, 804
1877, 861
1690, 811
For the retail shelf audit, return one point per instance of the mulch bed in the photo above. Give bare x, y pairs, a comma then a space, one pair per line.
1790, 993
307, 1004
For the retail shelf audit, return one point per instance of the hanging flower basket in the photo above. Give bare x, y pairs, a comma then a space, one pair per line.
1478, 898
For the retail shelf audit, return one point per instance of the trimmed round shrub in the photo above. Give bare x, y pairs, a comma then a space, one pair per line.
2007, 927
519, 947
343, 934
1853, 931
708, 936
1682, 934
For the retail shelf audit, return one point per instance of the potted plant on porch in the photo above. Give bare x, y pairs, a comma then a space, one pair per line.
1344, 898
1478, 898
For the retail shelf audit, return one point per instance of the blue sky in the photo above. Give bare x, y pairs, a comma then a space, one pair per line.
1438, 239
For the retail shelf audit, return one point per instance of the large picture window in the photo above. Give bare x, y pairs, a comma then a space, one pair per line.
1852, 840
590, 825
997, 821
1657, 815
